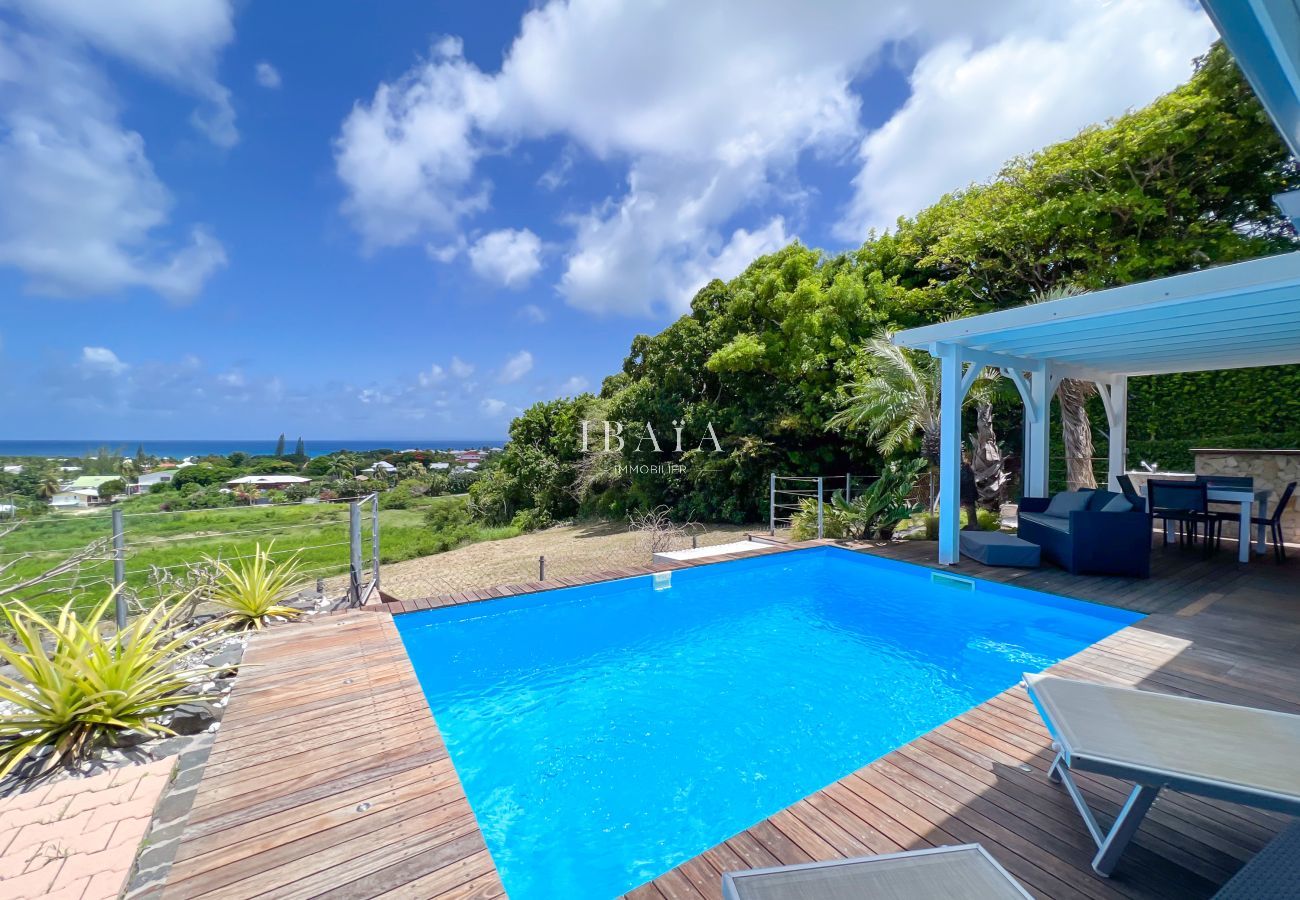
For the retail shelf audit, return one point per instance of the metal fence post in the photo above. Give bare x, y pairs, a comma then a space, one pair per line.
771, 505
848, 487
819, 507
374, 541
119, 566
354, 550
541, 568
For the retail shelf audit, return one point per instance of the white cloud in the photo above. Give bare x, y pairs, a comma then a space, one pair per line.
81, 209
710, 110
101, 359
178, 42
268, 76
492, 407
235, 378
973, 108
431, 375
575, 385
510, 257
407, 157
532, 313
460, 368
516, 367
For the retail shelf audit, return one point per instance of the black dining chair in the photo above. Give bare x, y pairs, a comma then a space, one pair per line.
1131, 493
1186, 504
1227, 510
1274, 522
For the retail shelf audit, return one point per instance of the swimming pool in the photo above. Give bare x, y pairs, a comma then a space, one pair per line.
608, 732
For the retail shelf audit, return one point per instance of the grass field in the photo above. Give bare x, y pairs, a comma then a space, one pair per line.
173, 540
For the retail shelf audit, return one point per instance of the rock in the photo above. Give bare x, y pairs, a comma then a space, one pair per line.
226, 659
191, 718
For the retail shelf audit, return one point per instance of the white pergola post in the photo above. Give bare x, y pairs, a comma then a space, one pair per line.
1038, 430
951, 393
1114, 396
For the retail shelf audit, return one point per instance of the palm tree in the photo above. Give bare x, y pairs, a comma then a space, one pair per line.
1076, 427
49, 486
342, 466
127, 469
900, 398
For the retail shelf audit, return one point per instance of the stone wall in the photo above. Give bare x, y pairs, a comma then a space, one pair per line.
1271, 469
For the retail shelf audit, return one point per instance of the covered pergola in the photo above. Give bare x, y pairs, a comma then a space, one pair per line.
1234, 316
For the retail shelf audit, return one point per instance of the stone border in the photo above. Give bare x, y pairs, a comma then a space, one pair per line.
158, 848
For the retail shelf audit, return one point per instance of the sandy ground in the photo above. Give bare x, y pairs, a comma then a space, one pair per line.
569, 550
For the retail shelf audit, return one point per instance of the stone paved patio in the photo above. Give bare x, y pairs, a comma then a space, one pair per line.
76, 839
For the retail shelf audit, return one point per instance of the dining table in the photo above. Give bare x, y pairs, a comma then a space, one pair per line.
1247, 500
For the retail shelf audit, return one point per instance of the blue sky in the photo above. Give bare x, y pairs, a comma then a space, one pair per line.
412, 219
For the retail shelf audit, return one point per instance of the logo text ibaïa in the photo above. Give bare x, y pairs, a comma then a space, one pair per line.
615, 439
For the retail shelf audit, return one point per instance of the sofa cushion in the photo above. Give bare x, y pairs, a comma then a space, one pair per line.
1057, 522
1101, 498
1067, 502
1117, 504
997, 548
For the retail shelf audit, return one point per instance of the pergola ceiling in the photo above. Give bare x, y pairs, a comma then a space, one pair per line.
1234, 316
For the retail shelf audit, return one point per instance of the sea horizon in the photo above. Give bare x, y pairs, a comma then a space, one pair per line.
178, 448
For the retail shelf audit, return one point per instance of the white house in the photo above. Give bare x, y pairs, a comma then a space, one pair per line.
440, 465
75, 498
7, 509
13, 470
383, 467
267, 482
146, 481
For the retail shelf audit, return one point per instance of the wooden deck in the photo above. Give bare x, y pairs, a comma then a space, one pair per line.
329, 779
329, 776
1217, 630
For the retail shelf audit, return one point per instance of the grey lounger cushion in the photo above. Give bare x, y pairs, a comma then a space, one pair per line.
997, 548
966, 871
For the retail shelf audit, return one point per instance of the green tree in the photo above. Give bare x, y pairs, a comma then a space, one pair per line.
300, 450
48, 485
279, 447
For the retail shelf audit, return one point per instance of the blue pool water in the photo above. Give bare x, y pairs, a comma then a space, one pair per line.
606, 733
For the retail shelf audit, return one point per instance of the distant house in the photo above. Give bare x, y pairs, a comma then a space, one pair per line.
440, 465
13, 470
469, 456
90, 482
146, 481
75, 498
7, 509
383, 467
267, 482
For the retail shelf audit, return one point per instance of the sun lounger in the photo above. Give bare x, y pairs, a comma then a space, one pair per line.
1217, 750
966, 871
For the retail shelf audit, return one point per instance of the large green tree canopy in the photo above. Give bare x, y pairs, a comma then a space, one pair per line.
766, 357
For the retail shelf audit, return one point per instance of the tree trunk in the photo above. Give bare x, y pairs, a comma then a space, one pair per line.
986, 459
1076, 430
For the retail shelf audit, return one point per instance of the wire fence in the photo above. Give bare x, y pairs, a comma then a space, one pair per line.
77, 559
788, 495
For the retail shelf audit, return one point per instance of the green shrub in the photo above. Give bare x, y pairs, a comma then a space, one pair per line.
253, 591
76, 688
532, 520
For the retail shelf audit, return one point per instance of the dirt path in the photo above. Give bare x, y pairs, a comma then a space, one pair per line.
569, 550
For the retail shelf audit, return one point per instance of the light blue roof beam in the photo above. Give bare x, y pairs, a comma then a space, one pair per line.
1264, 37
1234, 316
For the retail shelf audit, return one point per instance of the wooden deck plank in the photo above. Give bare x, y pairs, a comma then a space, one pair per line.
287, 812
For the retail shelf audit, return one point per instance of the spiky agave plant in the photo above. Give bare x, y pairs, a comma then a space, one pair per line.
254, 591
76, 687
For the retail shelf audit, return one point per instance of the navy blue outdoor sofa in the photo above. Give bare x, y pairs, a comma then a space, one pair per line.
1078, 533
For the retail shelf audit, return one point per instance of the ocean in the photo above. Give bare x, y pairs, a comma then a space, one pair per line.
178, 448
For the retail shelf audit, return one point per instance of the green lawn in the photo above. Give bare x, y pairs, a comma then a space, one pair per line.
154, 539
